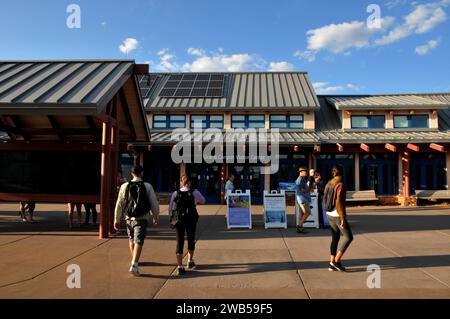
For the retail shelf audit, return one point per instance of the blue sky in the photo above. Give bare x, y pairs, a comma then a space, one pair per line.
409, 51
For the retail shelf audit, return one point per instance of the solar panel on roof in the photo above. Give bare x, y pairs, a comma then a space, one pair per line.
194, 85
175, 77
145, 92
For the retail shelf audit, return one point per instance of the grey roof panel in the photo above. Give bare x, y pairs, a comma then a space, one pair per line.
269, 90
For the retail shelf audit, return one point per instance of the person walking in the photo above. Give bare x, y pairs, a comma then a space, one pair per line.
229, 185
184, 218
71, 207
136, 199
303, 198
320, 186
334, 203
90, 208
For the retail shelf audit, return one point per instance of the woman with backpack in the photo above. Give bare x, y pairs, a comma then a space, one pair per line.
334, 204
184, 217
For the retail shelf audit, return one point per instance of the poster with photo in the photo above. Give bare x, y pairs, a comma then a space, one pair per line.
239, 213
275, 210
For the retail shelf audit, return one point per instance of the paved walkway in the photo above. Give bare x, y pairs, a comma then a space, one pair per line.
411, 245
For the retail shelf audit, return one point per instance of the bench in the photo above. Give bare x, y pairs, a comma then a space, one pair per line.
433, 194
362, 196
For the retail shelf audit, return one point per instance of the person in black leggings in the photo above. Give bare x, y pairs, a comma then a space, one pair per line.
187, 224
334, 200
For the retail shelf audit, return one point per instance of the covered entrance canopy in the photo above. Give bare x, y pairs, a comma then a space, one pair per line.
53, 111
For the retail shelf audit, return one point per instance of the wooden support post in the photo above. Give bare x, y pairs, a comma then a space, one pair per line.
406, 175
114, 166
447, 168
357, 178
105, 180
223, 180
267, 178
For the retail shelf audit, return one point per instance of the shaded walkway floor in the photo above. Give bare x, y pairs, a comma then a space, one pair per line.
411, 246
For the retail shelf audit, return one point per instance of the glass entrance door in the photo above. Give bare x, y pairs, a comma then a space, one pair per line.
205, 178
249, 177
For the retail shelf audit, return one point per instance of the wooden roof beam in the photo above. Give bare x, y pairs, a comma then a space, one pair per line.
126, 111
390, 147
413, 147
340, 147
437, 147
365, 147
55, 126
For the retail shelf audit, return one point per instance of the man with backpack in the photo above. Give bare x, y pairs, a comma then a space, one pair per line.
136, 200
334, 204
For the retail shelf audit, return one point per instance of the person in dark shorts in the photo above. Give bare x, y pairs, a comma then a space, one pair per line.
72, 207
183, 203
334, 203
136, 200
27, 209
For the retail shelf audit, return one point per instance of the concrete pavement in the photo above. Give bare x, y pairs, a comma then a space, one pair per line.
411, 245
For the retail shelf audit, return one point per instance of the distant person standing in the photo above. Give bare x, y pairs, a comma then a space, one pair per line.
303, 198
184, 218
90, 208
229, 185
71, 207
136, 200
320, 186
312, 179
27, 208
334, 202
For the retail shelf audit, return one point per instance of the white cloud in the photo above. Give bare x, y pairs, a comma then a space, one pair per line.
325, 88
128, 45
339, 38
103, 23
307, 55
424, 49
422, 19
167, 61
196, 52
395, 3
220, 62
281, 67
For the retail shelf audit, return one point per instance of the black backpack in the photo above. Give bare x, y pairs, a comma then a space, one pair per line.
328, 203
137, 203
184, 209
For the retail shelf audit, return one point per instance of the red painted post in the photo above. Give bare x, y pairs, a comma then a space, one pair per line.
105, 180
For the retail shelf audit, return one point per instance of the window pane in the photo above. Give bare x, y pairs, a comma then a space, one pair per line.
177, 118
278, 117
159, 124
256, 125
296, 125
216, 118
198, 124
401, 121
256, 117
360, 122
198, 118
216, 125
278, 125
377, 121
238, 117
419, 121
159, 118
238, 125
177, 124
296, 118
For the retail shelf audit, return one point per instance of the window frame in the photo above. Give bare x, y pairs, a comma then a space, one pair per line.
409, 118
207, 121
168, 122
288, 120
246, 121
369, 122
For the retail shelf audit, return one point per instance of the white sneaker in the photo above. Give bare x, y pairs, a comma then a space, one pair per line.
134, 270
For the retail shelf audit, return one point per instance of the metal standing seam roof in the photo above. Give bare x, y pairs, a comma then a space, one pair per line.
385, 102
60, 87
262, 90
